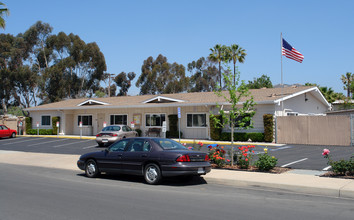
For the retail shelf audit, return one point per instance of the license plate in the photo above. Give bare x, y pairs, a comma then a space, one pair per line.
104, 140
201, 170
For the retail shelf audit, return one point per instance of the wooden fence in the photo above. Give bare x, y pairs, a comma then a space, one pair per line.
314, 130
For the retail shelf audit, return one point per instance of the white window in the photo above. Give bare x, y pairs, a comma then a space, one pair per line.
119, 119
154, 120
196, 120
45, 120
85, 119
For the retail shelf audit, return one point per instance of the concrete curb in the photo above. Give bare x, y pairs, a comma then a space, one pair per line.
291, 182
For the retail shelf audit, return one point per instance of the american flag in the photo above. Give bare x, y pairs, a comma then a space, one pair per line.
291, 53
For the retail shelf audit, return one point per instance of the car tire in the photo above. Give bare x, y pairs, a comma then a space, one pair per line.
13, 135
152, 174
91, 169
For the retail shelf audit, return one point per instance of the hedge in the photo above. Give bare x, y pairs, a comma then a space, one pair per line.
28, 121
41, 131
54, 124
254, 136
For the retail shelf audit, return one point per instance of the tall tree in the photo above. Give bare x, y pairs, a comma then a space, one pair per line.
158, 76
236, 53
261, 82
347, 80
218, 54
3, 12
124, 80
204, 75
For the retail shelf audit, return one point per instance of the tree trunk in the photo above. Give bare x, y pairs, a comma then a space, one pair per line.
220, 75
232, 144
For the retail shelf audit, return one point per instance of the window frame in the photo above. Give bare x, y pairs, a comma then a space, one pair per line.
83, 115
50, 121
193, 126
110, 119
150, 114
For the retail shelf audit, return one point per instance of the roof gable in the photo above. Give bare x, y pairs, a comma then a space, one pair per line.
162, 99
92, 102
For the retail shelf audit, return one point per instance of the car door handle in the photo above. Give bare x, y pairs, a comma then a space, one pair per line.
144, 155
119, 155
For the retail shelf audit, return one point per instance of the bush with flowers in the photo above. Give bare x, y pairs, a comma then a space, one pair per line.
217, 155
340, 167
266, 162
245, 156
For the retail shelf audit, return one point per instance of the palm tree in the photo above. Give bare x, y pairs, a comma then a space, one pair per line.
217, 55
347, 81
3, 11
236, 53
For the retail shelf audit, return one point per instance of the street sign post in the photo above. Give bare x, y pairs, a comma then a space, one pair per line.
164, 128
179, 123
37, 128
104, 124
58, 128
80, 125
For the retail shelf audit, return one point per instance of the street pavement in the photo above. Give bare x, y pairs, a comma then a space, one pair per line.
298, 181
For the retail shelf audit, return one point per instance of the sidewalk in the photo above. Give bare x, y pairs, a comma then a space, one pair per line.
293, 182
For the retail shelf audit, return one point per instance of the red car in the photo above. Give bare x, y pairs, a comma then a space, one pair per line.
7, 132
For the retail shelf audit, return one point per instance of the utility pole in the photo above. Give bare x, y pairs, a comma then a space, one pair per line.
110, 75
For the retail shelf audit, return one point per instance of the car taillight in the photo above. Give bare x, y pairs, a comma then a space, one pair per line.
207, 158
113, 135
98, 135
183, 158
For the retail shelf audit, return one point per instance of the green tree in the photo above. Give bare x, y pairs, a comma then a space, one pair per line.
158, 76
236, 53
261, 82
347, 80
218, 54
328, 93
241, 108
204, 76
124, 80
3, 12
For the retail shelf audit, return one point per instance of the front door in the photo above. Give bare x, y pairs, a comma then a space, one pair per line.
100, 120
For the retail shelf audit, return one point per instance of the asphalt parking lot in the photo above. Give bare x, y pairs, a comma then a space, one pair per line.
292, 156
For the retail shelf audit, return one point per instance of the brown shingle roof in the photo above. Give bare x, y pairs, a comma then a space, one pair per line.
197, 98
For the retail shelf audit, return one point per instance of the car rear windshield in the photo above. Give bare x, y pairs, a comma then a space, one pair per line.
111, 128
168, 144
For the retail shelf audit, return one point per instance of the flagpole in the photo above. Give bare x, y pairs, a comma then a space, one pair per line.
281, 67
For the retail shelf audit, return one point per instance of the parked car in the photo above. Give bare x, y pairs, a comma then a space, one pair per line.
150, 157
112, 133
7, 132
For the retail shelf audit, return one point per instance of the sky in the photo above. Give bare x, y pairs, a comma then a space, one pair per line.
128, 32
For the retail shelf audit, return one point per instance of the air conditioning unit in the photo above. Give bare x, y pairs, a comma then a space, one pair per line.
292, 113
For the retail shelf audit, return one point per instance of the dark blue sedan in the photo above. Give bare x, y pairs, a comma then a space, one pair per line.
153, 158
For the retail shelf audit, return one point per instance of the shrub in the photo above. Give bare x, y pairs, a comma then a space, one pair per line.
255, 136
215, 132
139, 132
28, 124
341, 167
54, 124
217, 155
245, 156
41, 131
266, 162
268, 127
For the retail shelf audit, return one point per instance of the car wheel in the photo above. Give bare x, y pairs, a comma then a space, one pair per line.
13, 135
91, 169
152, 174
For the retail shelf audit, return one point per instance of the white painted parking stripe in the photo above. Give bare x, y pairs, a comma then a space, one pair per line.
89, 147
15, 142
71, 143
280, 148
298, 161
46, 142
327, 168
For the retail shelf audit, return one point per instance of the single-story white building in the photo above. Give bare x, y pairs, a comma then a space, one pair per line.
148, 111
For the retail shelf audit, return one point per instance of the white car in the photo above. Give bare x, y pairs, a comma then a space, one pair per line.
113, 133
